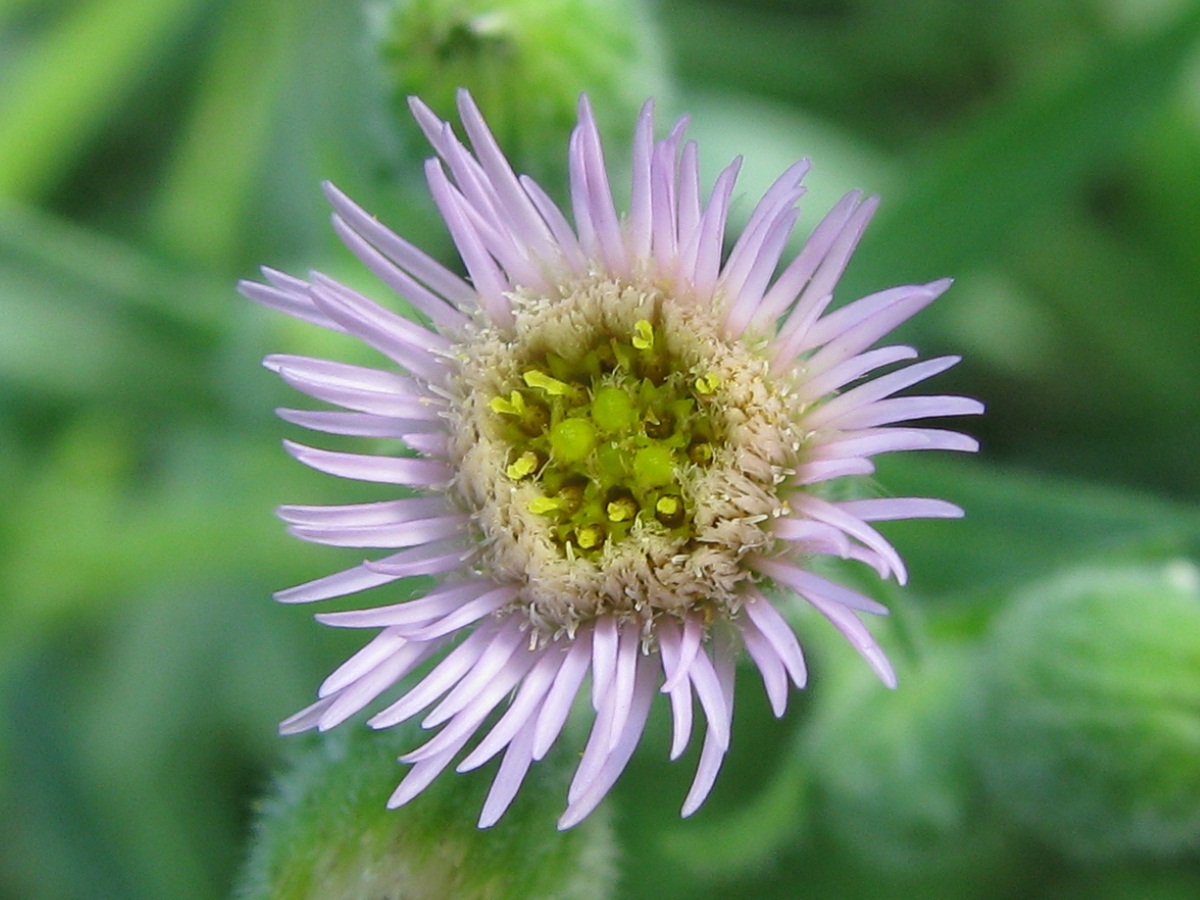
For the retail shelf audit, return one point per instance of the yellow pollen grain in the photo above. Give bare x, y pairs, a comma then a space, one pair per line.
589, 537
514, 405
667, 506
622, 510
708, 383
540, 506
643, 335
526, 464
547, 383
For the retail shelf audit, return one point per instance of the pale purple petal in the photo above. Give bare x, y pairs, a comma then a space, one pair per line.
412, 260
416, 349
376, 650
606, 777
876, 389
908, 409
422, 775
359, 424
840, 375
814, 471
693, 631
688, 216
489, 281
389, 534
564, 235
839, 517
880, 509
562, 695
513, 768
354, 697
716, 740
477, 703
466, 614
591, 197
436, 603
404, 470
769, 664
290, 296
779, 634
701, 258
427, 559
638, 224
807, 584
423, 299
605, 640
499, 653
440, 679
708, 689
669, 642
521, 715
905, 305
307, 718
622, 682
847, 622
358, 514
799, 272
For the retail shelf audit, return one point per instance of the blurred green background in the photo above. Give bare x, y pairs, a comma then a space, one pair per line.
1045, 154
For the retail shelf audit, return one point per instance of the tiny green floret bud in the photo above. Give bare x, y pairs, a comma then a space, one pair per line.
612, 409
572, 440
654, 466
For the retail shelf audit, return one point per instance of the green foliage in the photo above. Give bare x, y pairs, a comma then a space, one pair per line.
154, 151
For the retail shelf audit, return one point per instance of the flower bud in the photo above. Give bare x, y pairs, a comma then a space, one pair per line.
327, 833
1090, 714
894, 776
525, 62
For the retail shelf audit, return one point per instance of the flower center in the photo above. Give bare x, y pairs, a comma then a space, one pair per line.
608, 436
619, 455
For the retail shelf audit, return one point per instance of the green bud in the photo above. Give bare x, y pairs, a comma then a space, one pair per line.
1090, 720
526, 63
613, 410
893, 773
572, 440
654, 466
327, 833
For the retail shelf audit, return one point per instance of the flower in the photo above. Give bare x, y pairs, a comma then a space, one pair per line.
619, 444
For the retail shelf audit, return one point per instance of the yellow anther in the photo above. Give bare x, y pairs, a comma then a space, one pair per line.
548, 383
524, 466
590, 537
708, 383
513, 406
622, 509
643, 335
541, 506
667, 506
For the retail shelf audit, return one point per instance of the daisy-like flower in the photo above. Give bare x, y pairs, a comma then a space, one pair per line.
618, 443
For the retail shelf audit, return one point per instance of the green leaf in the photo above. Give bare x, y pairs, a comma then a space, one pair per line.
63, 89
1020, 525
969, 193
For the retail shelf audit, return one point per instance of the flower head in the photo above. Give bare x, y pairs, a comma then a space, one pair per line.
618, 440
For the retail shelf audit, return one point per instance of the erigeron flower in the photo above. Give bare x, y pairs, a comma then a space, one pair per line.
616, 438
